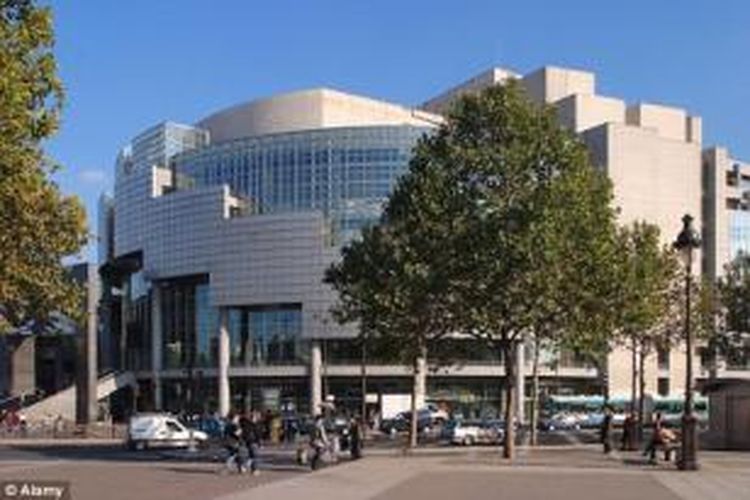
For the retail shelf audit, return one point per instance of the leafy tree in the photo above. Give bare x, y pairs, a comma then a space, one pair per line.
500, 230
537, 226
724, 310
573, 276
38, 225
384, 290
650, 300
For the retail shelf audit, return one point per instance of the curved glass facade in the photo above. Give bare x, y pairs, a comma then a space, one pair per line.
347, 173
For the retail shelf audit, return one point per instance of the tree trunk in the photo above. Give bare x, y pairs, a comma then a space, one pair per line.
642, 391
603, 368
509, 360
634, 375
420, 367
534, 410
363, 408
413, 427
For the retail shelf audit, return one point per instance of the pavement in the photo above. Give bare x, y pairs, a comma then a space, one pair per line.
571, 471
105, 471
537, 474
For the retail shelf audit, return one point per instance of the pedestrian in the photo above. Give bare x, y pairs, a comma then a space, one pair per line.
267, 418
355, 439
319, 442
606, 430
627, 442
232, 442
657, 438
251, 435
23, 425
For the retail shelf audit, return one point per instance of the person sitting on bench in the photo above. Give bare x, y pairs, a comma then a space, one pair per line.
661, 438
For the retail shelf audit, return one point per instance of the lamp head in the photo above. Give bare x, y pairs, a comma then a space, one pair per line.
688, 239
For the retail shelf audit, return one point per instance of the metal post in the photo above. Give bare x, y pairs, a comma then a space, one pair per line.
687, 241
363, 411
688, 460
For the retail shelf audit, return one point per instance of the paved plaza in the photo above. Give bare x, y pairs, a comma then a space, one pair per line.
559, 472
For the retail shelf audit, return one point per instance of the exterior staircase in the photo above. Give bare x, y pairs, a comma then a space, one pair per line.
63, 403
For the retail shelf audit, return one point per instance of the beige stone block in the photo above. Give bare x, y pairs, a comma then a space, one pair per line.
550, 84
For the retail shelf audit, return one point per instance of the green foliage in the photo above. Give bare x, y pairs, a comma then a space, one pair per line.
38, 225
725, 322
652, 289
734, 290
501, 229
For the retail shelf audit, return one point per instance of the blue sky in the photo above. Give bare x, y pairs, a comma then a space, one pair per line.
128, 65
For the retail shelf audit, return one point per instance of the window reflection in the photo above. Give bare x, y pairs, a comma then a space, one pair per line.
268, 335
346, 173
258, 335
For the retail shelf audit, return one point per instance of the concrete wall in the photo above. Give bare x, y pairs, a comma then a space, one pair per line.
716, 163
729, 417
550, 84
441, 103
671, 123
306, 110
22, 364
656, 179
256, 259
580, 112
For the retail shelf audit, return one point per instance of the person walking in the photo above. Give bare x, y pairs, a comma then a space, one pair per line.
251, 436
319, 442
355, 439
232, 442
627, 442
606, 430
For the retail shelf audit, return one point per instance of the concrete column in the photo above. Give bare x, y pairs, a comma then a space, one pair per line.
420, 378
86, 400
123, 326
316, 382
157, 336
520, 381
223, 372
23, 367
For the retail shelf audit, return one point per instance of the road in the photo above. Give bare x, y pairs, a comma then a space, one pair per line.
113, 473
571, 469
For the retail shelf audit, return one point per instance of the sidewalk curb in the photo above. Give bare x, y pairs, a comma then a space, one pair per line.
32, 442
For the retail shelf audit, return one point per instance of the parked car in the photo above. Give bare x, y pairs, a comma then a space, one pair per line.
592, 420
212, 426
148, 430
437, 414
471, 432
402, 422
560, 421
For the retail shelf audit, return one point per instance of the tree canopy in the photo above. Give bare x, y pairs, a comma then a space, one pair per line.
652, 288
38, 225
501, 228
725, 308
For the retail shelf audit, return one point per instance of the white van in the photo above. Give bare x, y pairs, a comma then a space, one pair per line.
160, 429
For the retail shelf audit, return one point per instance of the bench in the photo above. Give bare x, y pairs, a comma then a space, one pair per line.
668, 447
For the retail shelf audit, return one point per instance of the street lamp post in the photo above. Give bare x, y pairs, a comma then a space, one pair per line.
687, 241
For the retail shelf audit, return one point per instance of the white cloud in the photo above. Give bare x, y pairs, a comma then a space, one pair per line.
93, 176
